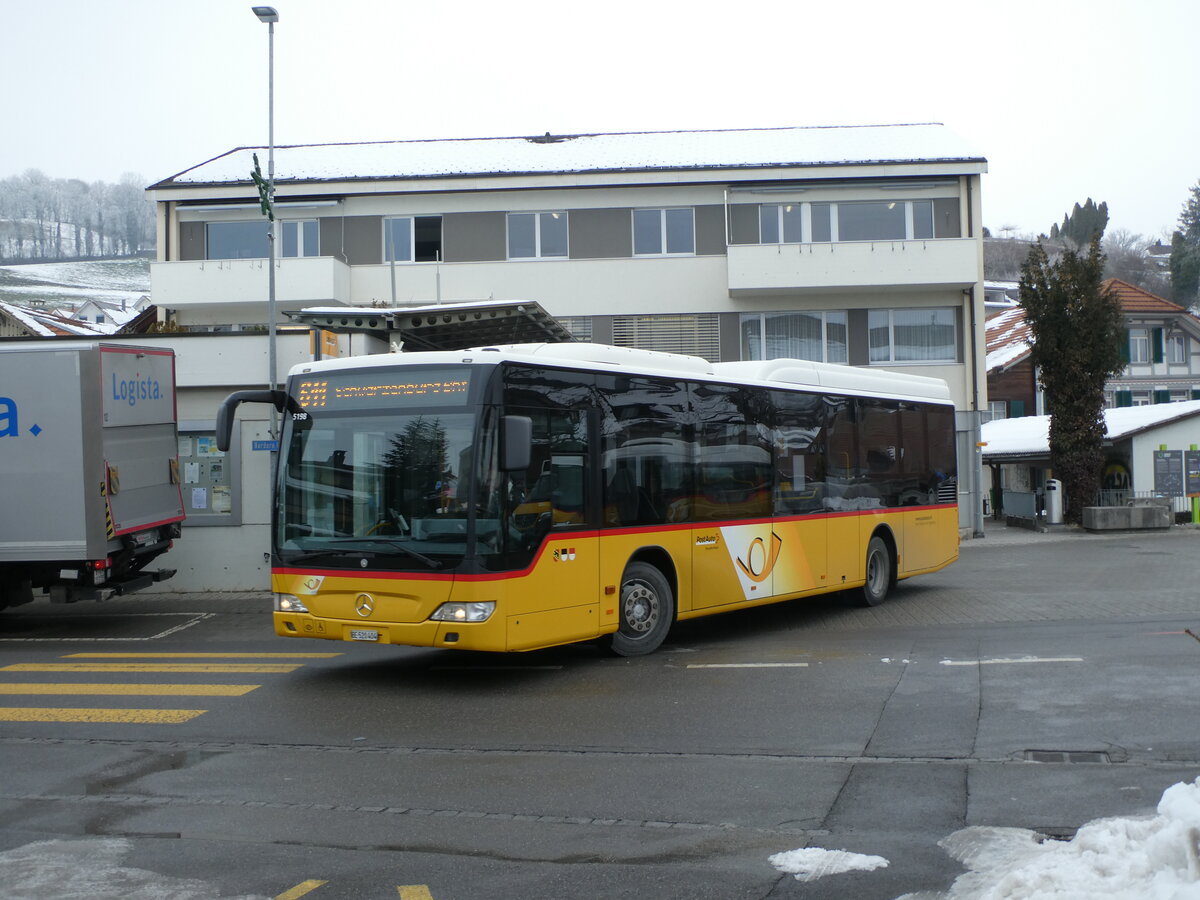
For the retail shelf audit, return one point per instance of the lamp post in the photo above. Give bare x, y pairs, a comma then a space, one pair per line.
268, 15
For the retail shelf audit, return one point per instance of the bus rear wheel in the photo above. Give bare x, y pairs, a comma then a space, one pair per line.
647, 610
879, 573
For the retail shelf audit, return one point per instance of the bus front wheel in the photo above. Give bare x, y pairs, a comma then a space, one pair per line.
647, 610
879, 573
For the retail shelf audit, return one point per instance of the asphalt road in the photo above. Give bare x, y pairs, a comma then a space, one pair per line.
1041, 682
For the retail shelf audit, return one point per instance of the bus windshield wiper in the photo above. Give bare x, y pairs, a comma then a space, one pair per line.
391, 542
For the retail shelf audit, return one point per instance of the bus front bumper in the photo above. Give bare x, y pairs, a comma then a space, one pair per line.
488, 635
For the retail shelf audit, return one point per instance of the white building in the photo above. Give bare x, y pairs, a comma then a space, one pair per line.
858, 245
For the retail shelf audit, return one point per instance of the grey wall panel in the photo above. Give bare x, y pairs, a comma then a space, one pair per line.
355, 240
602, 329
191, 240
473, 237
743, 222
859, 337
710, 230
731, 336
600, 233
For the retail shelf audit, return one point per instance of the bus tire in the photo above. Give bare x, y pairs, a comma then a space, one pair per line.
878, 573
646, 613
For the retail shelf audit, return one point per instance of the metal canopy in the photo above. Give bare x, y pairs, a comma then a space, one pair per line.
445, 326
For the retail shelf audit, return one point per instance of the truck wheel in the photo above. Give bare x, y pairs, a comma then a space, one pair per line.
647, 611
879, 573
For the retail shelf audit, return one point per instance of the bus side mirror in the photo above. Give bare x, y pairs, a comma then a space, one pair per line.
279, 399
516, 449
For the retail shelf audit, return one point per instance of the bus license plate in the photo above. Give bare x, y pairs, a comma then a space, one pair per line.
364, 635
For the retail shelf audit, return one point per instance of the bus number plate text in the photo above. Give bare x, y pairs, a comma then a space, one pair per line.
364, 635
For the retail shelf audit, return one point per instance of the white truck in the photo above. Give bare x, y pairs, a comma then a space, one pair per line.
89, 469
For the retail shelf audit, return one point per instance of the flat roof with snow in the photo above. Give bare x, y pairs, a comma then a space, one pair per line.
558, 154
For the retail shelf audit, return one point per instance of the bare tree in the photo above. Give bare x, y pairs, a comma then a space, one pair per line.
1127, 258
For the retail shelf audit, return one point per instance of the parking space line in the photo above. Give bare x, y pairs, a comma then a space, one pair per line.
193, 668
414, 892
129, 690
790, 665
196, 618
1010, 661
84, 714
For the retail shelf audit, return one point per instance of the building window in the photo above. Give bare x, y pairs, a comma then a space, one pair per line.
817, 335
579, 326
997, 409
412, 239
663, 232
1139, 345
300, 238
250, 240
912, 335
779, 223
237, 240
1177, 349
537, 235
872, 221
694, 334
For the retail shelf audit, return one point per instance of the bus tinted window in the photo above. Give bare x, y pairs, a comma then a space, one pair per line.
799, 437
646, 450
733, 452
943, 462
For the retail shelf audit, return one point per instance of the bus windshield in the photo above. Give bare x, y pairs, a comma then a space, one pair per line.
389, 487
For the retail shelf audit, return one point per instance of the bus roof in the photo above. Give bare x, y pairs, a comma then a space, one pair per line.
826, 377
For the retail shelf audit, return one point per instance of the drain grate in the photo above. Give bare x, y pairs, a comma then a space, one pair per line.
1066, 756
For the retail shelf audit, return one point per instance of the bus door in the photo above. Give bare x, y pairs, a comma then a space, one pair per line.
735, 546
546, 531
801, 515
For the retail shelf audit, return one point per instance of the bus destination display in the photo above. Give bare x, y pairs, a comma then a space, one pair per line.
368, 390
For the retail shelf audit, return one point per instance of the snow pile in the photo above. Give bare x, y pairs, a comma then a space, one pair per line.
1150, 858
812, 863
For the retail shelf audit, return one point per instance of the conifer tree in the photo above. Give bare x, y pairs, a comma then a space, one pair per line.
1185, 253
1078, 328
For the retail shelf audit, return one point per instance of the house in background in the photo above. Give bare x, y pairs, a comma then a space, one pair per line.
18, 321
860, 246
1017, 451
1013, 388
1162, 351
112, 316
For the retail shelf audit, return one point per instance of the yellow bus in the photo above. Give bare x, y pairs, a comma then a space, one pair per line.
520, 497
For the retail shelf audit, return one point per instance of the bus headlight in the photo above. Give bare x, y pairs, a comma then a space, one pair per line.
463, 612
289, 603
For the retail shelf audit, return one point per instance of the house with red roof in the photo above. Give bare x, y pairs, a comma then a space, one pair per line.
1162, 350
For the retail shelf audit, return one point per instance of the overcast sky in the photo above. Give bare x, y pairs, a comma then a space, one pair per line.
1065, 98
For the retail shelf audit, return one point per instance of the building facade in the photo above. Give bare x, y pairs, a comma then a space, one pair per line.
860, 246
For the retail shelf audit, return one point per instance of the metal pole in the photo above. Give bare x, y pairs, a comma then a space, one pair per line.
272, 380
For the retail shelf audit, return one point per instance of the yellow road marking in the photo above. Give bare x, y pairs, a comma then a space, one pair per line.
68, 714
201, 655
301, 889
141, 690
414, 892
226, 668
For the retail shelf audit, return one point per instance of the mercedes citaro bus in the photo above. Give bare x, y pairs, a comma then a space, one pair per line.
518, 497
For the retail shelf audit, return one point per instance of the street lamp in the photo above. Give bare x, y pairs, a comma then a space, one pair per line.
268, 15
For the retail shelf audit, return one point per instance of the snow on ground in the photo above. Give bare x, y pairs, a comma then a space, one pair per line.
75, 282
812, 863
1147, 858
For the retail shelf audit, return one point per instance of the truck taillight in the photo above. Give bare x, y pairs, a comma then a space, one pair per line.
101, 563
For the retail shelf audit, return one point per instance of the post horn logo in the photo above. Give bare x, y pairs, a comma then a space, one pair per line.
364, 605
759, 560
